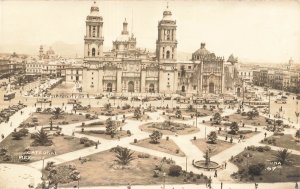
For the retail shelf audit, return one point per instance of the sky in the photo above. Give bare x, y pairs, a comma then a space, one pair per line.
255, 31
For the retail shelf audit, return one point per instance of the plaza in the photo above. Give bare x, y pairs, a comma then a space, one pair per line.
130, 118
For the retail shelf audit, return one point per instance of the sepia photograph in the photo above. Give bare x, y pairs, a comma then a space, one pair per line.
149, 94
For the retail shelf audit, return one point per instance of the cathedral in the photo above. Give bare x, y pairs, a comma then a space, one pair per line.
128, 69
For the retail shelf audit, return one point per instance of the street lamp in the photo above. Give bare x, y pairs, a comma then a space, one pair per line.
164, 175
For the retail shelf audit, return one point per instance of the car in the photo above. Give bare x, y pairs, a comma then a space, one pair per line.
167, 98
298, 97
280, 101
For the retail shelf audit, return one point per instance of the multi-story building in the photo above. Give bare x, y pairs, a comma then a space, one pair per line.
127, 68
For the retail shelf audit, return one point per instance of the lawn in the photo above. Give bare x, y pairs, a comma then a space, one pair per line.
287, 173
215, 148
245, 133
100, 170
285, 141
112, 111
102, 134
61, 145
167, 146
44, 119
169, 129
256, 121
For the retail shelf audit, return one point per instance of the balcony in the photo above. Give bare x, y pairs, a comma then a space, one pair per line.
109, 78
131, 74
151, 78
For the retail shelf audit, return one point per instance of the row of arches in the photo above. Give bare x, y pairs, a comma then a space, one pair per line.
130, 87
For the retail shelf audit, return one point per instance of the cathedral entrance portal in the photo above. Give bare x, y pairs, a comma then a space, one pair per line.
151, 88
183, 88
211, 88
109, 87
238, 92
130, 86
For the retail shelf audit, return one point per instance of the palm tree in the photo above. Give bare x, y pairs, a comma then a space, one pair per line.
57, 112
234, 128
283, 156
124, 156
42, 138
178, 113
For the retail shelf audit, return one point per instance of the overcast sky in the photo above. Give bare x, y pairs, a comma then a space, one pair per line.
255, 31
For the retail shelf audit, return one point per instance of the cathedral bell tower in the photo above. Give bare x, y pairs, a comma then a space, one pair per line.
166, 44
93, 40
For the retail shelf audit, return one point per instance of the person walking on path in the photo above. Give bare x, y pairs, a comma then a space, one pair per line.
225, 164
256, 186
296, 185
216, 173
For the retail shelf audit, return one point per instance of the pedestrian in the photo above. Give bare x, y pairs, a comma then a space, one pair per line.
296, 185
225, 164
129, 186
11, 123
256, 186
216, 173
96, 145
239, 140
2, 136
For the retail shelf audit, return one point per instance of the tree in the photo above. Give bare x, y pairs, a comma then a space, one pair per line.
111, 127
204, 106
297, 133
283, 156
217, 118
234, 128
124, 156
190, 108
178, 113
137, 113
107, 106
212, 137
41, 138
57, 112
252, 114
155, 137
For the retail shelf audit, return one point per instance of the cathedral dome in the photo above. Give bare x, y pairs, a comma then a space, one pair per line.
123, 37
202, 51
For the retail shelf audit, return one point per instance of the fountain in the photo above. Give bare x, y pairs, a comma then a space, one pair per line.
207, 163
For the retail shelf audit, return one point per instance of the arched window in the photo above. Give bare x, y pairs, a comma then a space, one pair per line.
168, 55
93, 51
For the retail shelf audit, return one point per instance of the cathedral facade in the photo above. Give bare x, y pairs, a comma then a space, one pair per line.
128, 69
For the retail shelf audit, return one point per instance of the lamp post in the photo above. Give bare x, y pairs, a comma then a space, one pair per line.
164, 175
297, 112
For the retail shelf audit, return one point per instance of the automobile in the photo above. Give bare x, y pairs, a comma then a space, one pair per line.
298, 97
167, 98
287, 94
280, 101
98, 97
113, 97
135, 98
284, 97
123, 98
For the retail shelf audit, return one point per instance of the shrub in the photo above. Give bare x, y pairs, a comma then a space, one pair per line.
256, 169
278, 134
143, 155
87, 116
128, 132
175, 170
83, 140
17, 135
245, 132
135, 140
89, 143
177, 151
